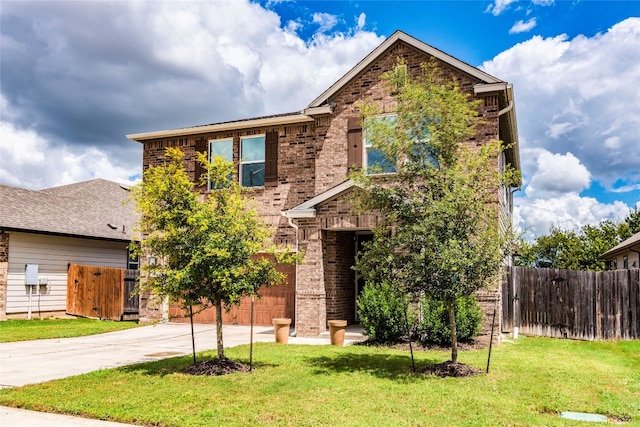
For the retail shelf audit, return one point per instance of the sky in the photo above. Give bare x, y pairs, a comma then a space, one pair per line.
77, 76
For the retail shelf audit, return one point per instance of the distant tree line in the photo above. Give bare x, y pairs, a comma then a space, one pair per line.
577, 250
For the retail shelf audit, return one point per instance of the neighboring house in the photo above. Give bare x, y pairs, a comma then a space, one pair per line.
624, 255
84, 223
298, 164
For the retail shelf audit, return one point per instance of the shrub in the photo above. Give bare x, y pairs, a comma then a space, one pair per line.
381, 309
434, 325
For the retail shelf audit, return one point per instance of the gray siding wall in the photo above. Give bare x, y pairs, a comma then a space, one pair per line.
53, 254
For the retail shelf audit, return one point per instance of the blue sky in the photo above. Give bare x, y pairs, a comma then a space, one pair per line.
467, 30
76, 77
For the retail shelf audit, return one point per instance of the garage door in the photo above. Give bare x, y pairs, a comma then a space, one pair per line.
277, 301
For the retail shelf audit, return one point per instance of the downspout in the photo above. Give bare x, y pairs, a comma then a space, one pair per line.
506, 109
295, 301
516, 299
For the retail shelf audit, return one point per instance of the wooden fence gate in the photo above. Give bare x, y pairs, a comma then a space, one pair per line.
102, 292
585, 305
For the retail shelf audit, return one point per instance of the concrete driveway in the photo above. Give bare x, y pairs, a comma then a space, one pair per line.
30, 362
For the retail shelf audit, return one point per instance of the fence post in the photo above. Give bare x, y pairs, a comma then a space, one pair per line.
598, 308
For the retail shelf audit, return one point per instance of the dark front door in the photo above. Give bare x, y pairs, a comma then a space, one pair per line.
361, 238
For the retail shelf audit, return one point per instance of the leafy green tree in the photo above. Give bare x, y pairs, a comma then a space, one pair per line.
632, 220
206, 245
558, 249
442, 238
581, 250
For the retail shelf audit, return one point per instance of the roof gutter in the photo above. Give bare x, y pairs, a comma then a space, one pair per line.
241, 124
60, 234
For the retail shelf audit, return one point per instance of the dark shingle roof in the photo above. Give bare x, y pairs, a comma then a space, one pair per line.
94, 209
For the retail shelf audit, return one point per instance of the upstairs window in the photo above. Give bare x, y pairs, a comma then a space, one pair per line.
220, 148
252, 161
375, 161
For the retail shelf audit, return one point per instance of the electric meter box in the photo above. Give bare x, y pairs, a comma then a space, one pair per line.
31, 274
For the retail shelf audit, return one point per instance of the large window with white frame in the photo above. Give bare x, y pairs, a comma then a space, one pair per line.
220, 148
252, 160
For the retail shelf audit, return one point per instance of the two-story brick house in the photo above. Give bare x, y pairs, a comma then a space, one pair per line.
298, 164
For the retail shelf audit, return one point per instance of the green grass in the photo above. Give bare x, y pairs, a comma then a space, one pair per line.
530, 383
38, 329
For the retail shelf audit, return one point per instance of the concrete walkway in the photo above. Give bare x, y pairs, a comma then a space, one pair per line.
30, 362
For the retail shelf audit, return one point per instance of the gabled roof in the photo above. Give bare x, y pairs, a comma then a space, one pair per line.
387, 44
90, 209
486, 84
625, 245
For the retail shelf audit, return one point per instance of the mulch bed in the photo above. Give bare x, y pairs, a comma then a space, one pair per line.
478, 343
450, 369
215, 367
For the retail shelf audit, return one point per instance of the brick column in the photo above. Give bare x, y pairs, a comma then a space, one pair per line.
311, 314
150, 308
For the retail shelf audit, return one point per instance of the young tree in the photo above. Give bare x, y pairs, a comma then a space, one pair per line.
206, 246
442, 238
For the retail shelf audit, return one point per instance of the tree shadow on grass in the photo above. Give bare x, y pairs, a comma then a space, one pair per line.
177, 365
387, 366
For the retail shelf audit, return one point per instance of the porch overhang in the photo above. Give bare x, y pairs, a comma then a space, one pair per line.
308, 208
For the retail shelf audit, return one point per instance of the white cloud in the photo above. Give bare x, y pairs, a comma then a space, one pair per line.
577, 96
523, 27
543, 2
326, 21
579, 121
499, 6
128, 67
556, 174
362, 20
570, 211
29, 160
612, 142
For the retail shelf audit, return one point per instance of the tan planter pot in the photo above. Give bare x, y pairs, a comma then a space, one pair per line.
336, 331
281, 329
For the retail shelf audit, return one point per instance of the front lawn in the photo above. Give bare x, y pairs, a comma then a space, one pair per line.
38, 329
531, 381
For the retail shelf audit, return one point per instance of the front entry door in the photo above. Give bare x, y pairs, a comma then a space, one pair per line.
361, 238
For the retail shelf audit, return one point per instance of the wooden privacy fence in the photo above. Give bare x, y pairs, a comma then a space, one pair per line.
102, 292
587, 305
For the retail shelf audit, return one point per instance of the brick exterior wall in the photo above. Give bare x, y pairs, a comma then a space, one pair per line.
339, 278
313, 158
150, 308
4, 270
487, 301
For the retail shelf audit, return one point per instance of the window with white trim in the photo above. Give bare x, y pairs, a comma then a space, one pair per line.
252, 159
